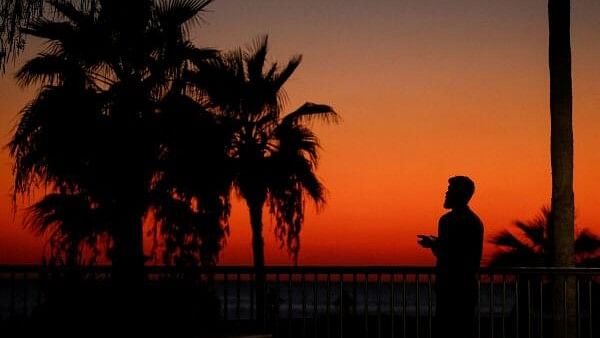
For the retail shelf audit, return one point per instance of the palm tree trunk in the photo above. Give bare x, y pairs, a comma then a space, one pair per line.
258, 252
561, 99
128, 273
128, 262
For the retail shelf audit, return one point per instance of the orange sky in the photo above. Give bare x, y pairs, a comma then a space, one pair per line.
427, 90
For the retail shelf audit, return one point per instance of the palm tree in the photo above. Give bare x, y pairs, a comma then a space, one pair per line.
561, 134
190, 197
273, 157
76, 230
532, 246
92, 129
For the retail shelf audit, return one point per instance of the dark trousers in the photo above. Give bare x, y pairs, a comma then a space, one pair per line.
455, 307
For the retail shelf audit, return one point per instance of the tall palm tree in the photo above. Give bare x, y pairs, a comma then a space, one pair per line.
561, 134
532, 247
273, 156
92, 129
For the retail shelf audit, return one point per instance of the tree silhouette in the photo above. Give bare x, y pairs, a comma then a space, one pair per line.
561, 147
190, 196
532, 247
76, 231
273, 157
93, 132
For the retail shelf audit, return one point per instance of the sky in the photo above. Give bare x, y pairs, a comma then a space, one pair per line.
427, 90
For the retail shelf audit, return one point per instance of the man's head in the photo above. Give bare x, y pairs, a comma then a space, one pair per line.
460, 191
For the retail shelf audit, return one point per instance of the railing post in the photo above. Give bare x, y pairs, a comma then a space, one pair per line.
541, 307
591, 321
315, 305
252, 289
354, 294
392, 301
341, 309
25, 294
225, 298
237, 298
366, 310
503, 305
429, 305
491, 305
578, 301
378, 305
290, 308
528, 308
404, 305
13, 295
517, 306
328, 305
479, 306
303, 282
417, 306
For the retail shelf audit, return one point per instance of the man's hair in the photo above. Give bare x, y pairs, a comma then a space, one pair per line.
465, 186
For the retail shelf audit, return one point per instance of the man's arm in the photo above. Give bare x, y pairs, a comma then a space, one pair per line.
429, 242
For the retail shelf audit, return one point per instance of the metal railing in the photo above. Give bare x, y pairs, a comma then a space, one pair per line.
334, 301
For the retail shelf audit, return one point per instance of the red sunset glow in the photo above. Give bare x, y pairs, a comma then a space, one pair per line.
426, 90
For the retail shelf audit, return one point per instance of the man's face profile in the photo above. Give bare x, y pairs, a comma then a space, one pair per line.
460, 190
450, 197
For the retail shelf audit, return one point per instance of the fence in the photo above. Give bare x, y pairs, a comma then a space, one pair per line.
334, 301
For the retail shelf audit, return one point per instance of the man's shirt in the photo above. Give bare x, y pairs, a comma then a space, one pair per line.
459, 245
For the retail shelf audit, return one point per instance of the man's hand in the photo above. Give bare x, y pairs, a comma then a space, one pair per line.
427, 241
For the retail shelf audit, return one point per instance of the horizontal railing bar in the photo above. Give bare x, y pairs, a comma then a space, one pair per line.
246, 269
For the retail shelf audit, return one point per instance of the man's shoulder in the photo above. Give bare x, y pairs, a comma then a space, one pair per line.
463, 215
475, 217
475, 222
447, 216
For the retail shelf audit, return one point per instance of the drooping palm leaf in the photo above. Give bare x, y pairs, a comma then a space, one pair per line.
311, 111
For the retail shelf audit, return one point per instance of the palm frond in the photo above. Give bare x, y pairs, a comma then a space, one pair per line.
256, 58
534, 231
534, 248
506, 239
200, 55
175, 14
71, 225
296, 140
586, 243
281, 77
49, 69
70, 11
49, 30
311, 111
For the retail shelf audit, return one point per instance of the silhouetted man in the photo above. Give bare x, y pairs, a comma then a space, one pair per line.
458, 248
